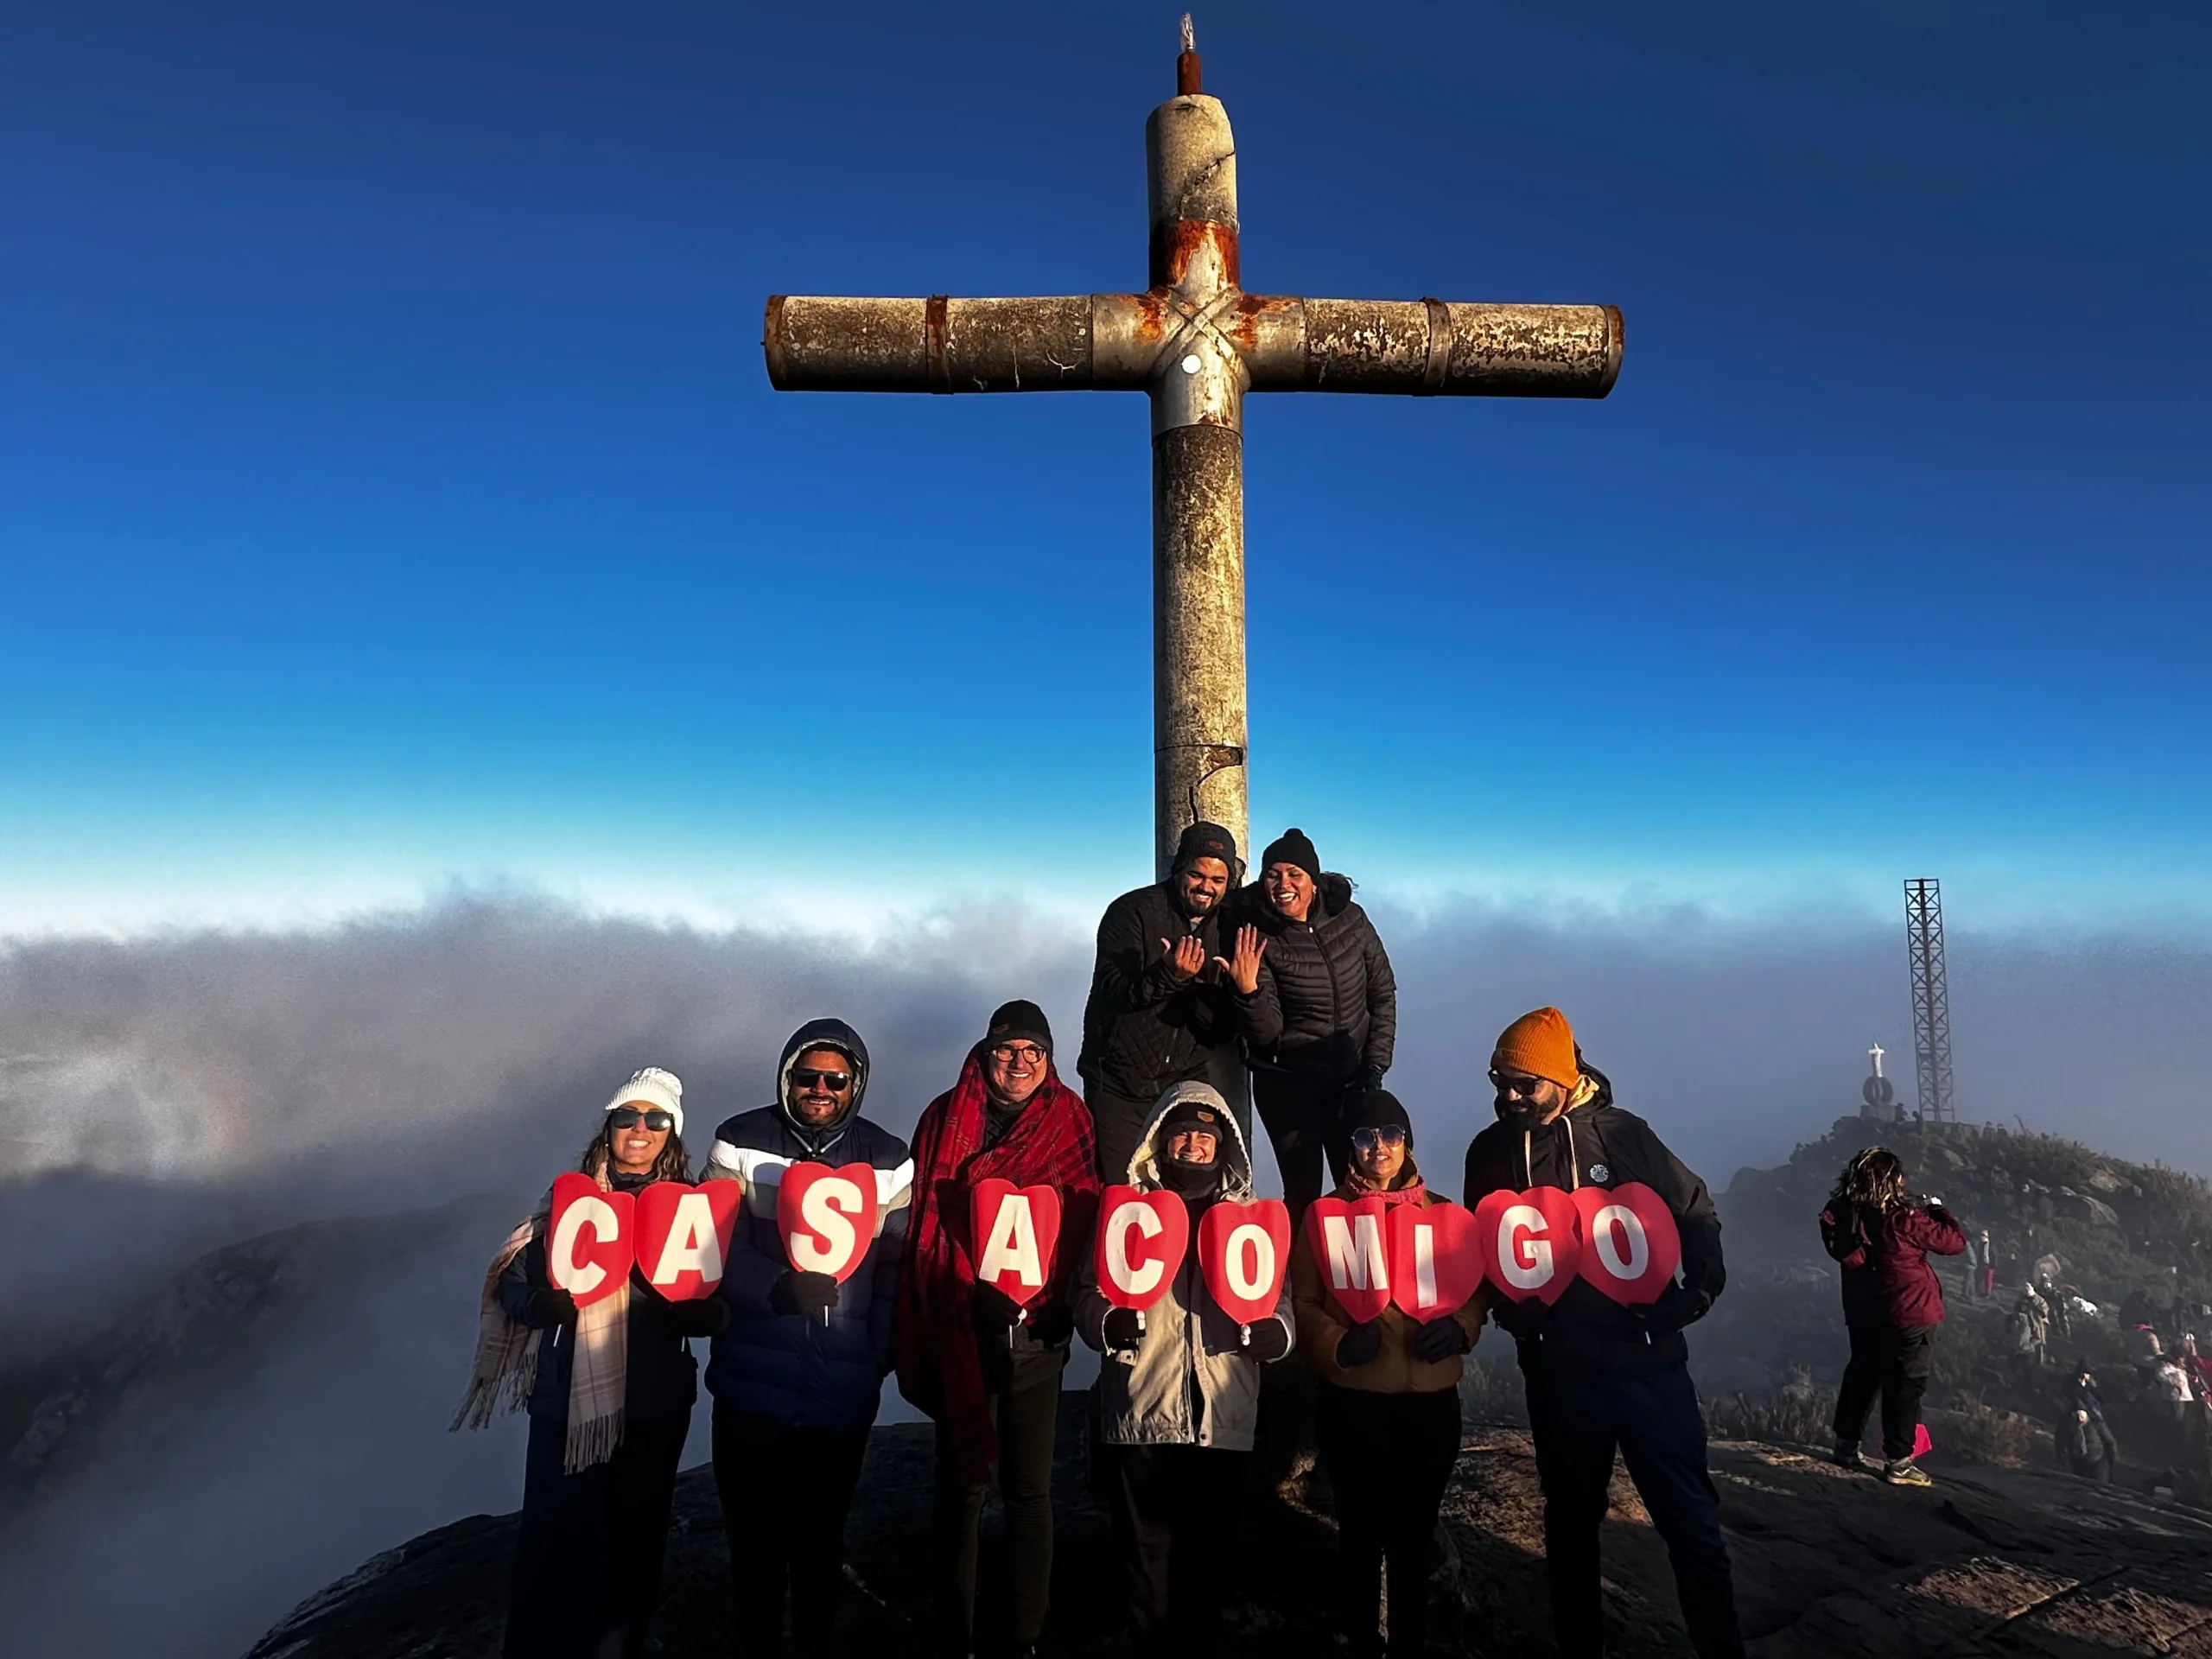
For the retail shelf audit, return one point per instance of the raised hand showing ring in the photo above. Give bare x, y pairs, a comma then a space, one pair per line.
1241, 968
1186, 958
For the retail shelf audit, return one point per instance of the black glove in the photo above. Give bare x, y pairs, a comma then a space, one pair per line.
708, 1317
1440, 1339
995, 1312
803, 1293
1123, 1330
550, 1304
1523, 1321
1368, 1080
1358, 1345
1678, 1305
1267, 1342
1052, 1323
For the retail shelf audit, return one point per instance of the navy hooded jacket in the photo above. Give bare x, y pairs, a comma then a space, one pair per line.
795, 1368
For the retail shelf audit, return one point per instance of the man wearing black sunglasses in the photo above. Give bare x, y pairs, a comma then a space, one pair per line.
1603, 1379
797, 1377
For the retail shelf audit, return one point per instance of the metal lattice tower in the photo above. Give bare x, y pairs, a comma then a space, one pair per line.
1931, 999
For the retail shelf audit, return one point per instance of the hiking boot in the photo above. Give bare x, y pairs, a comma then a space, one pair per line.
1904, 1471
1848, 1456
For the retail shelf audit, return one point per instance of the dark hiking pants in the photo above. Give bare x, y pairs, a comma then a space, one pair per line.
1893, 1360
785, 1494
1388, 1458
1653, 1421
1174, 1511
588, 1555
1305, 1122
1025, 1420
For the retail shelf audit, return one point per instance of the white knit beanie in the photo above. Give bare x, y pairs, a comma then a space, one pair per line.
652, 1087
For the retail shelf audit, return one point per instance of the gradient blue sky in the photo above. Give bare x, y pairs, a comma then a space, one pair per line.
391, 495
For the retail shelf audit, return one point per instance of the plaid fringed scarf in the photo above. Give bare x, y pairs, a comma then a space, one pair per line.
506, 1369
1049, 1145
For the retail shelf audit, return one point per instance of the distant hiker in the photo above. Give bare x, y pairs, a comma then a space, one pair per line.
610, 1388
1602, 1377
1159, 1014
2085, 1440
984, 1367
1891, 1304
1178, 1391
1388, 1407
1985, 1265
2171, 1385
1318, 1006
2030, 1329
797, 1377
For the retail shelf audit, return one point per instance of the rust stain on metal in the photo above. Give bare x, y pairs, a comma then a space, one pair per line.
1242, 325
940, 377
1188, 72
1177, 244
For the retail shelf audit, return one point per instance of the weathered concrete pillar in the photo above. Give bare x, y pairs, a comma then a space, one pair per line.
1197, 473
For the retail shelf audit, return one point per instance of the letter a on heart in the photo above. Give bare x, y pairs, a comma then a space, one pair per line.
1350, 1244
1017, 1234
683, 1236
590, 1239
827, 1216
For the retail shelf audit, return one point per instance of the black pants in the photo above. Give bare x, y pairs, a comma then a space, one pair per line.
1025, 1420
1305, 1121
1175, 1517
588, 1557
785, 1494
1390, 1457
1653, 1421
1118, 1122
1892, 1360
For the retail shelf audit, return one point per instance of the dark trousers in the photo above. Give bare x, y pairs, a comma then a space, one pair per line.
1025, 1420
1388, 1457
1175, 1517
1893, 1360
588, 1557
1653, 1421
784, 1495
1118, 1122
1306, 1121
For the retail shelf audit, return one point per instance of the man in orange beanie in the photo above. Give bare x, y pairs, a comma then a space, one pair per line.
1602, 1378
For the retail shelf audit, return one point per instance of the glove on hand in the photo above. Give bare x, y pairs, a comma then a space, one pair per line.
803, 1293
708, 1317
1358, 1345
1123, 1331
995, 1312
550, 1304
1523, 1321
1368, 1080
1050, 1323
1267, 1342
1440, 1339
1678, 1305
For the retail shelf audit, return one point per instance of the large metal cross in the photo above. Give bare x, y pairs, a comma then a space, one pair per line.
1196, 343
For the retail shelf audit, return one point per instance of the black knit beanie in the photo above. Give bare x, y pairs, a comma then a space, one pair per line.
1292, 848
1019, 1021
1378, 1109
1204, 840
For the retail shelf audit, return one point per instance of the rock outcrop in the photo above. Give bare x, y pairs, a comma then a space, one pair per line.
1829, 1564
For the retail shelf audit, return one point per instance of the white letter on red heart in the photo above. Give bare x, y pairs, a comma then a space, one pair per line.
1631, 1244
827, 1216
1531, 1242
1017, 1229
588, 1239
1436, 1259
1243, 1250
1349, 1244
1139, 1245
683, 1236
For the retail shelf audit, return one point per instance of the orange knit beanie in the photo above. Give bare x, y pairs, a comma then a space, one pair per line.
1539, 1045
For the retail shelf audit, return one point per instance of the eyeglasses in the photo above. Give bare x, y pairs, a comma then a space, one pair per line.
835, 1081
628, 1117
1012, 1053
1381, 1135
1510, 1083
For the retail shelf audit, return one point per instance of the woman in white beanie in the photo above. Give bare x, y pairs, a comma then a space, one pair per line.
610, 1390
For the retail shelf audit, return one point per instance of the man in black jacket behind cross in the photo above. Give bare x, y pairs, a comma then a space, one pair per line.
1159, 1014
1602, 1377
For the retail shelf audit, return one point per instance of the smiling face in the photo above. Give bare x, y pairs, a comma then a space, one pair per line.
1526, 1103
821, 1088
1199, 886
1012, 1071
633, 1145
1289, 889
1197, 1147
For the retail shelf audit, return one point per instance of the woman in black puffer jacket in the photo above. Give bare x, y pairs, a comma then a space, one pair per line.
1319, 1008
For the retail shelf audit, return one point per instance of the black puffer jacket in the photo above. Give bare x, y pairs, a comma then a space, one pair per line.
1327, 1005
1141, 1031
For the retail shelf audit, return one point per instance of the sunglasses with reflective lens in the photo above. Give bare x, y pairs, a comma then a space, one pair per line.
1511, 1082
835, 1081
628, 1117
1381, 1135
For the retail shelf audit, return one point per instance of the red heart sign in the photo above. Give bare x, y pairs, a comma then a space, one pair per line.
1530, 1242
1630, 1246
588, 1237
683, 1236
827, 1216
1243, 1250
1017, 1235
1139, 1246
1436, 1259
1350, 1242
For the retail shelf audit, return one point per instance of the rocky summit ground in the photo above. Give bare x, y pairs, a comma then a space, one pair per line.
1991, 1562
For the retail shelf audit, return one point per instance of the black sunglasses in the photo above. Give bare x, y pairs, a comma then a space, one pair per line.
627, 1117
835, 1081
1512, 1082
1383, 1135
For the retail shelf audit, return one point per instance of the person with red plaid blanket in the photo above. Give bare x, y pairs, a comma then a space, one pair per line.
984, 1367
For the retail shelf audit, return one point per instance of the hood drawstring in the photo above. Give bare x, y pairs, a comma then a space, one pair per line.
1527, 1164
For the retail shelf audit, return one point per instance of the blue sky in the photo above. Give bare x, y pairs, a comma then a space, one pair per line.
391, 496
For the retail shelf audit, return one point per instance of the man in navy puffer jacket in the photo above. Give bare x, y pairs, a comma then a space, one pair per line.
797, 1377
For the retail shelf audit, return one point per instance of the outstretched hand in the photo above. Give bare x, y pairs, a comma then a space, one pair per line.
1186, 958
1242, 967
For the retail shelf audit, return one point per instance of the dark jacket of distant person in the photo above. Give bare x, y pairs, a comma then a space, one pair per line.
1328, 1002
1886, 1278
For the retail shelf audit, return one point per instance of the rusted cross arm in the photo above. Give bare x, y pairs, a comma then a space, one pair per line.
1135, 342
